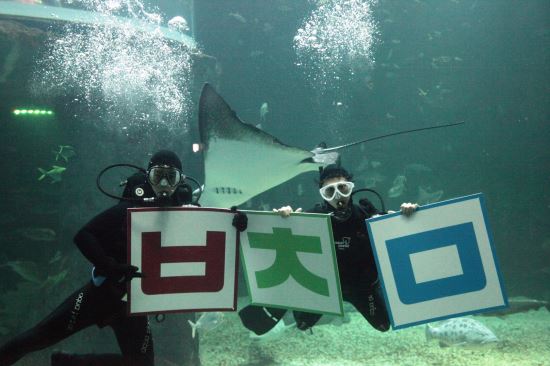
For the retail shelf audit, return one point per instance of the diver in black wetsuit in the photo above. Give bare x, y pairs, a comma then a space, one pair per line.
102, 300
356, 266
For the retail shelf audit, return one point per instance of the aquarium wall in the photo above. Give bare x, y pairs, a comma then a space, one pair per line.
85, 84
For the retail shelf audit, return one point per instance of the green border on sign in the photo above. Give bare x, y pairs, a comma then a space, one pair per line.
335, 262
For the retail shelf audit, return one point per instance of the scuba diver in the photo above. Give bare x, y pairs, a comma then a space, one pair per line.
356, 266
102, 301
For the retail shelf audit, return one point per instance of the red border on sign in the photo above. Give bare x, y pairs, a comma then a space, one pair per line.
128, 245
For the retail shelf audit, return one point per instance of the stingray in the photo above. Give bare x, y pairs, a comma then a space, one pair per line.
242, 161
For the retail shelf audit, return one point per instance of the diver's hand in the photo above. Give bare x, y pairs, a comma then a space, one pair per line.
111, 268
408, 208
285, 211
240, 220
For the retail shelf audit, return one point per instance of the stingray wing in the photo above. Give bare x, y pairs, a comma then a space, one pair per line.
240, 160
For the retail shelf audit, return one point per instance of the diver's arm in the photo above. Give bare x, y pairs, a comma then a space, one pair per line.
88, 238
89, 246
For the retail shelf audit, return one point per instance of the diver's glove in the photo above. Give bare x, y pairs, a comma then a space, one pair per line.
240, 220
112, 269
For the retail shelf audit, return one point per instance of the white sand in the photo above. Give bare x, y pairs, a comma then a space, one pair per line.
524, 340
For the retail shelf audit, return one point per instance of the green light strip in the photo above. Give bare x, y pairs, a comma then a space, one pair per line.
32, 112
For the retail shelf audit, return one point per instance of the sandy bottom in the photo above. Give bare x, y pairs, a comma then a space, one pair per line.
524, 340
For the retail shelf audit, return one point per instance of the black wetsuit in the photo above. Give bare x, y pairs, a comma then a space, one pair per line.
100, 304
357, 270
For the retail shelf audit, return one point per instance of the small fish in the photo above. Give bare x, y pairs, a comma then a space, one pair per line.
38, 233
54, 280
424, 196
398, 186
264, 110
65, 152
206, 322
276, 332
54, 173
56, 258
238, 17
26, 269
422, 92
461, 332
417, 168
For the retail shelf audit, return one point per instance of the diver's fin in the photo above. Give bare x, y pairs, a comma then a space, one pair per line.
259, 319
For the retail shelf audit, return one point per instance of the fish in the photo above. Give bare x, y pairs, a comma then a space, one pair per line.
38, 233
417, 168
242, 161
279, 330
461, 332
26, 269
56, 279
264, 110
424, 196
206, 322
237, 154
54, 173
64, 152
519, 305
398, 186
238, 17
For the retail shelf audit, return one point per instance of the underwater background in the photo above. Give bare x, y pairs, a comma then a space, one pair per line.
332, 71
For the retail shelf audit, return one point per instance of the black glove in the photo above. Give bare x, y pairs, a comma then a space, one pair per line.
240, 220
112, 269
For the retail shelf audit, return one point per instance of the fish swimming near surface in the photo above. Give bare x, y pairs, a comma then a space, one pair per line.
54, 173
242, 161
461, 332
206, 322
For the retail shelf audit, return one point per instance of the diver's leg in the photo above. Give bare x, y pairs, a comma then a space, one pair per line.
68, 318
66, 359
260, 319
135, 340
369, 301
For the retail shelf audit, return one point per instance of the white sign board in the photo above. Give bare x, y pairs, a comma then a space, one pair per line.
438, 263
188, 257
291, 262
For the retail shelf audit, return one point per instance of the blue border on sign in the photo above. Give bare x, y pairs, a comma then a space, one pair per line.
481, 199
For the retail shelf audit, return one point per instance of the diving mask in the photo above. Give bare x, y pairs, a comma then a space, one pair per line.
343, 189
164, 175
